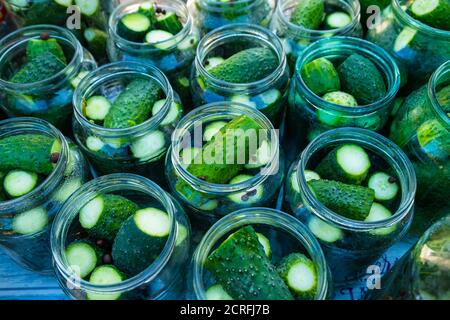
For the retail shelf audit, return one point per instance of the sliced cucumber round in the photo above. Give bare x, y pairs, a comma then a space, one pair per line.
262, 156
309, 175
67, 189
210, 205
324, 231
105, 275
174, 114
64, 3
270, 97
88, 7
300, 275
82, 258
97, 107
265, 242
181, 235
244, 99
76, 81
384, 185
160, 39
188, 155
337, 20
91, 212
213, 62
251, 196
18, 183
153, 222
150, 146
134, 26
94, 144
404, 39
217, 292
212, 129
379, 213
30, 222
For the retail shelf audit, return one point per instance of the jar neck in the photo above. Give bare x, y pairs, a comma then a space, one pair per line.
440, 77
375, 143
19, 126
139, 49
14, 45
259, 216
188, 134
346, 46
398, 8
283, 15
240, 32
219, 7
116, 71
103, 185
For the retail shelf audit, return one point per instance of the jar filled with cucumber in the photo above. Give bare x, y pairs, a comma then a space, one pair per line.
422, 129
259, 254
299, 23
242, 63
355, 191
125, 113
417, 34
121, 237
40, 67
212, 14
158, 33
90, 29
224, 157
340, 82
39, 170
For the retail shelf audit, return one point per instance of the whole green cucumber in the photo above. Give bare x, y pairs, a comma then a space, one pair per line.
42, 67
134, 105
241, 266
308, 13
29, 152
37, 47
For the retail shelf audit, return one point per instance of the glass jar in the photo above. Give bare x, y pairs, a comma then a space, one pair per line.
49, 99
163, 279
32, 250
126, 149
212, 14
217, 200
296, 38
267, 95
173, 56
93, 17
285, 233
422, 129
309, 115
418, 48
350, 245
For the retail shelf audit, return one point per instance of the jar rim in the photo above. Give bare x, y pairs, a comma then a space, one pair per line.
385, 148
408, 19
10, 42
354, 9
86, 193
95, 79
180, 36
262, 216
47, 186
243, 30
226, 108
328, 46
443, 70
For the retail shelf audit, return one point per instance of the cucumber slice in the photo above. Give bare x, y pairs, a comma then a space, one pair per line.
309, 176
329, 118
340, 98
212, 129
174, 114
18, 183
210, 205
337, 20
324, 231
76, 81
384, 185
105, 275
67, 189
300, 275
270, 97
348, 163
266, 244
187, 155
434, 13
249, 197
217, 292
97, 107
148, 147
94, 144
134, 26
148, 9
30, 222
262, 156
213, 62
159, 38
242, 98
82, 258
405, 37
181, 235
88, 7
190, 43
379, 213
64, 3
153, 222
169, 22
